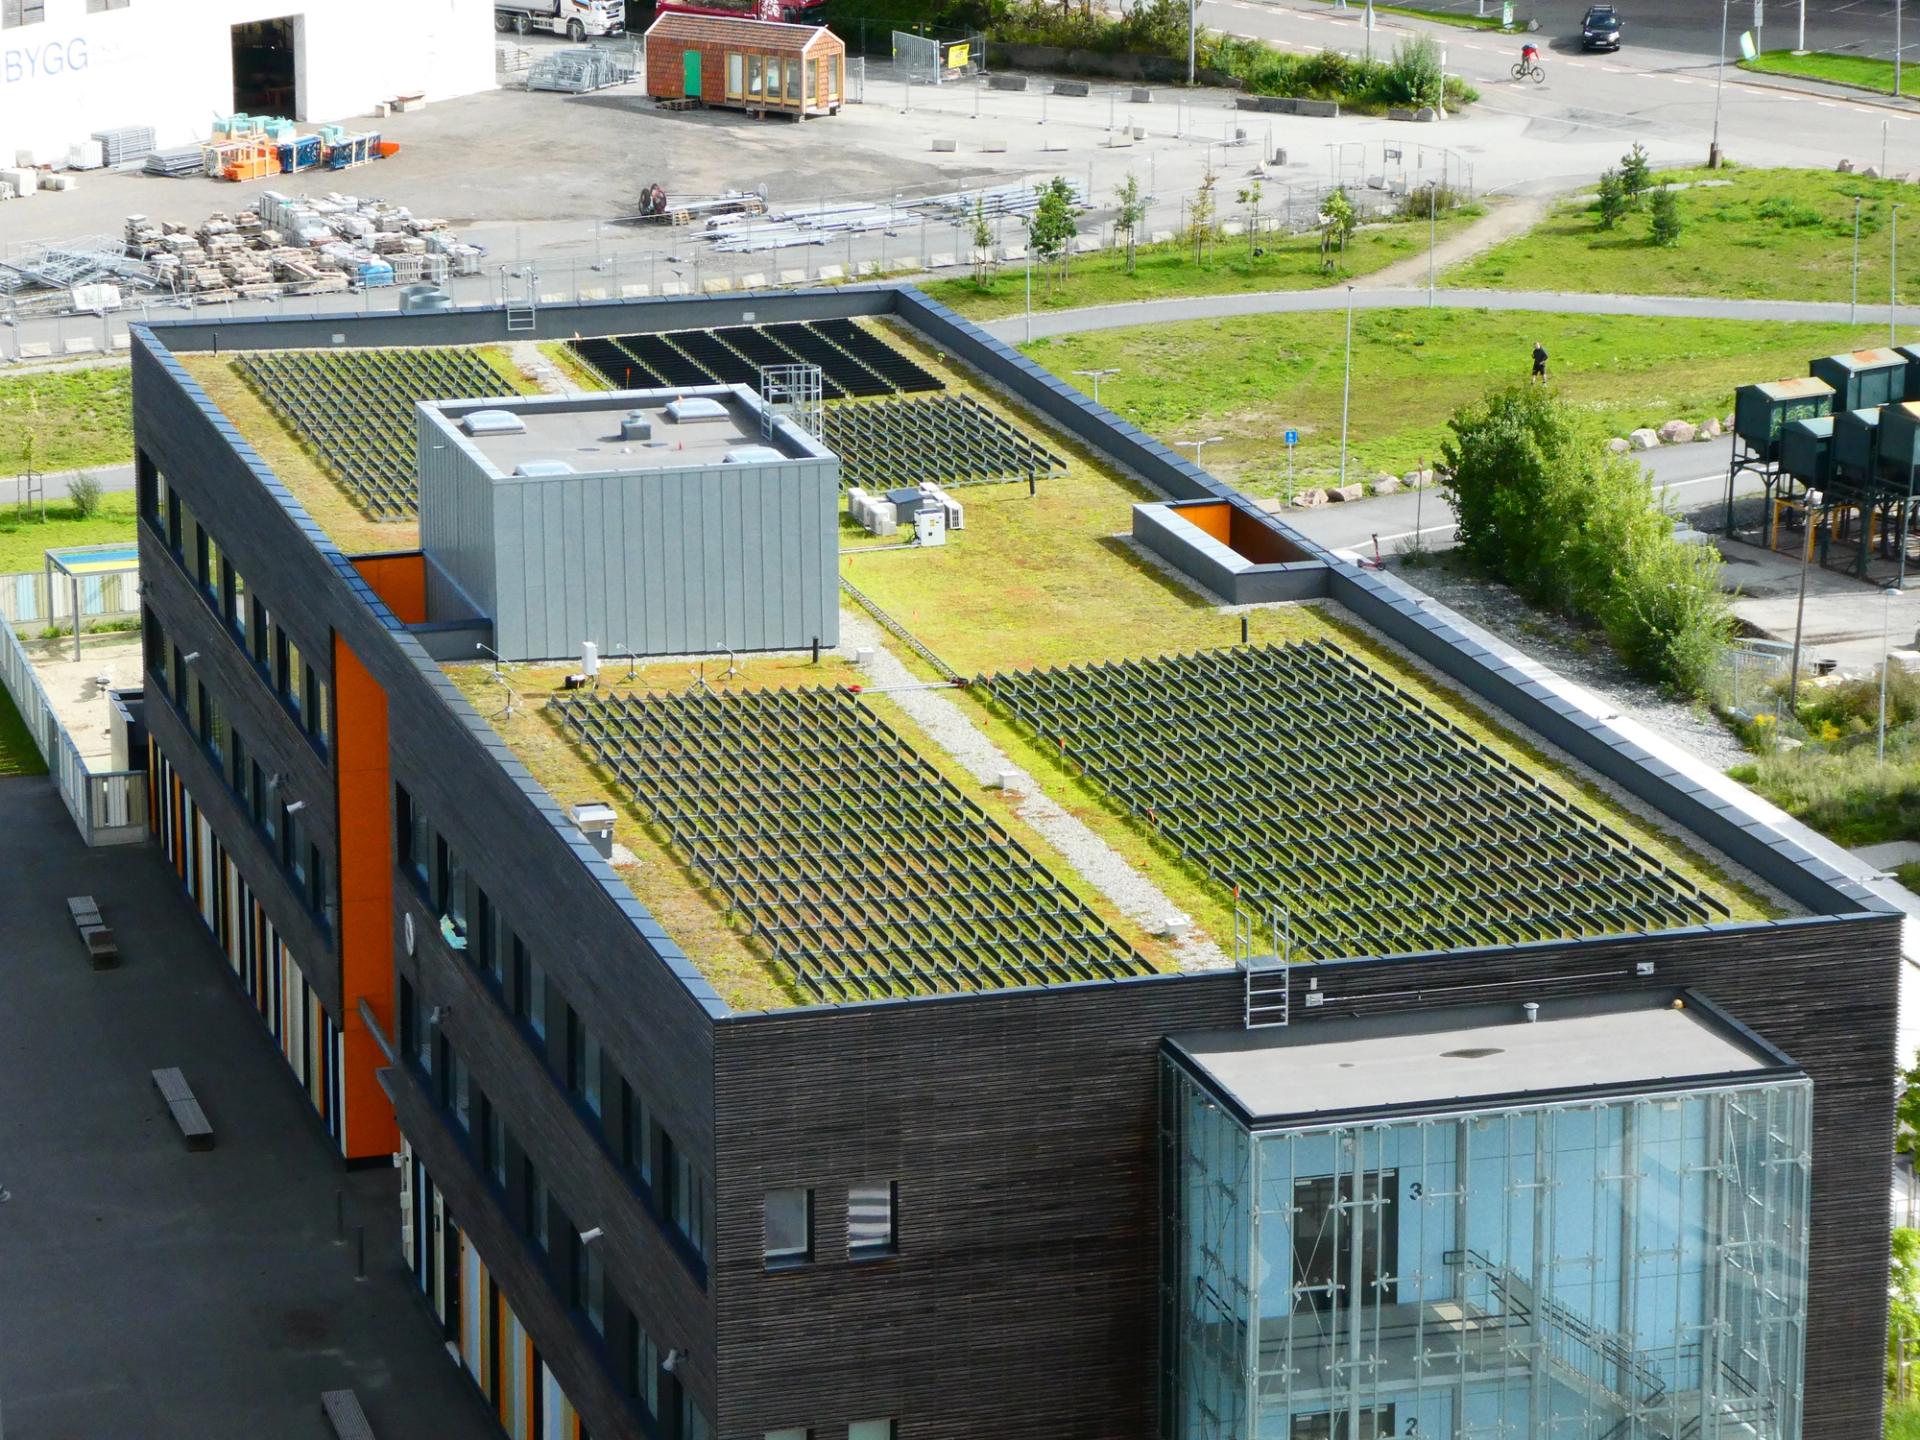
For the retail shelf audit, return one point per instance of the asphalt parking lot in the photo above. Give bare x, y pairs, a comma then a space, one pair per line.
148, 1291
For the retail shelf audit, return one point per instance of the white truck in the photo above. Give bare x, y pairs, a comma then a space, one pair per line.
576, 19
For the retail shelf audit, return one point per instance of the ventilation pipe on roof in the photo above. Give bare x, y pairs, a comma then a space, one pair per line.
1533, 1012
635, 425
590, 661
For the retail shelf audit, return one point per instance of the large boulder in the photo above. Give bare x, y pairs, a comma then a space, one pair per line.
1386, 485
1618, 446
1642, 439
1677, 432
1307, 499
1845, 167
1712, 429
1338, 493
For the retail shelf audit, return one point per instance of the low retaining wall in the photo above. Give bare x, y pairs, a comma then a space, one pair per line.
1289, 105
1160, 69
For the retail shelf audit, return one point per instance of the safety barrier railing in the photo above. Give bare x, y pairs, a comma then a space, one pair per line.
109, 806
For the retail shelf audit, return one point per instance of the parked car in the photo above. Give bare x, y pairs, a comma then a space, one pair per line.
1601, 29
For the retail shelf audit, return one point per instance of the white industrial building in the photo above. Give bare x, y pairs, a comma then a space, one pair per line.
69, 68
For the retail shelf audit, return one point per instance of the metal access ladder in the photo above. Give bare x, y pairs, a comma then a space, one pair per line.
1263, 951
523, 314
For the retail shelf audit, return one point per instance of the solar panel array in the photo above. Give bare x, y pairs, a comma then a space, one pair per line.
1357, 818
354, 409
949, 439
862, 869
854, 363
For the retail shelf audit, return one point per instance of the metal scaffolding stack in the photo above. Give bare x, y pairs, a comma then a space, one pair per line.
825, 224
127, 146
575, 72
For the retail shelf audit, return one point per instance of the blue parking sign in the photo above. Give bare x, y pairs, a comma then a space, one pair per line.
1293, 437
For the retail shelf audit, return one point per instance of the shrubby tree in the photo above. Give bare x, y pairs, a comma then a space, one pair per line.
1664, 218
1130, 213
1338, 220
1636, 177
1543, 506
1050, 229
1612, 202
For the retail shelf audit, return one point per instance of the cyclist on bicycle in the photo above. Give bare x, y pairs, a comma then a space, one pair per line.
1529, 54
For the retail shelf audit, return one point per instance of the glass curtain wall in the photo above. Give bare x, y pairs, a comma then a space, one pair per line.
1626, 1269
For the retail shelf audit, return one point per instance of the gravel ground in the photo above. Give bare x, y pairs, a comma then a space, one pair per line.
1580, 655
949, 728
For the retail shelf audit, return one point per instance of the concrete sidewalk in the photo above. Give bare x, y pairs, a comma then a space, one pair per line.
148, 1291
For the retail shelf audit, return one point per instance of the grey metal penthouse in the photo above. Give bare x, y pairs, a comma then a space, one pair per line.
763, 1063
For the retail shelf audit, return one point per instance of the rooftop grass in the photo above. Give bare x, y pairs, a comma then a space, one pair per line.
1760, 235
1247, 379
1862, 72
688, 908
578, 374
25, 537
73, 418
1290, 262
1053, 580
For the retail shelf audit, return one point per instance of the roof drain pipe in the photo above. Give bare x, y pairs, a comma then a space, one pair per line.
1532, 1008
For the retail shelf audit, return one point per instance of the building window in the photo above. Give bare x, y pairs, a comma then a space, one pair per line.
242, 781
753, 77
210, 566
263, 811
14, 13
539, 1210
459, 1091
870, 1219
789, 1238
530, 995
870, 1430
315, 705
493, 1143
643, 1371
236, 604
95, 7
291, 669
262, 633
416, 837
637, 1147
450, 895
736, 67
583, 1062
590, 1285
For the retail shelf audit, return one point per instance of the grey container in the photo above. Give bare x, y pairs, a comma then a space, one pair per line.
1899, 452
1862, 378
1912, 352
1806, 450
1856, 443
1760, 411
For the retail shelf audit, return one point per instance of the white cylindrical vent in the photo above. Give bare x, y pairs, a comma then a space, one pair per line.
590, 659
1533, 1012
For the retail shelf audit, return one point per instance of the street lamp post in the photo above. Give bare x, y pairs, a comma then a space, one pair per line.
1853, 307
1193, 8
1029, 289
1433, 233
1096, 376
1199, 446
1893, 269
1719, 87
1346, 389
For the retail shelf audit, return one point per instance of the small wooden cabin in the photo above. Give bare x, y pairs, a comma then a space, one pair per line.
759, 66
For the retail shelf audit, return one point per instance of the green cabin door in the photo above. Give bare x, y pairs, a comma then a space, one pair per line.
692, 82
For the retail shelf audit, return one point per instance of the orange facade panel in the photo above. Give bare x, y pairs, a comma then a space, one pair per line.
366, 888
400, 581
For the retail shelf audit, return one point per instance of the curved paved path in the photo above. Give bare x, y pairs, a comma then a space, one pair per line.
1013, 329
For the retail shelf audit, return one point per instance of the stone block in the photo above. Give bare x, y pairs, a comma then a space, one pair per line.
940, 261
1308, 499
753, 280
633, 292
1140, 96
793, 277
718, 285
1077, 89
1643, 439
945, 146
1339, 494
1618, 446
1677, 432
1386, 485
993, 147
830, 272
1006, 82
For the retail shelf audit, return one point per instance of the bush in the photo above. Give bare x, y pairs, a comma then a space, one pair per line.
1846, 794
1611, 203
1544, 507
1413, 77
1636, 176
85, 491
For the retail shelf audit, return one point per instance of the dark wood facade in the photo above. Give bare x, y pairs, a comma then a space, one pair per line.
1020, 1128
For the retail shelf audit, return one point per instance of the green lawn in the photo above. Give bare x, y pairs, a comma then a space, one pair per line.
1839, 69
25, 538
1903, 1421
75, 418
1766, 234
1160, 271
18, 754
1248, 378
1462, 20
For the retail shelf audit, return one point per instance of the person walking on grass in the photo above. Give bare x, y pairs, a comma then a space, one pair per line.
1539, 363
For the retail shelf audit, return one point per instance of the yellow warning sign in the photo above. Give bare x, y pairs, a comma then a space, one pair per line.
957, 56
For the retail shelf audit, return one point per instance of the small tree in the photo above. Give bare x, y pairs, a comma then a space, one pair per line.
1050, 229
1665, 218
1250, 197
84, 490
1203, 209
1612, 203
1337, 224
981, 235
1635, 176
1130, 213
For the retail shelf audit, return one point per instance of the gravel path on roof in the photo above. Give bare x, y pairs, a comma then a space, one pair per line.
1581, 655
948, 726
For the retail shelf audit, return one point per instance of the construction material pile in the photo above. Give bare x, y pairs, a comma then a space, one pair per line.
299, 245
575, 72
825, 224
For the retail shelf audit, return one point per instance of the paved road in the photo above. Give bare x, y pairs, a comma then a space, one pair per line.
1272, 302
